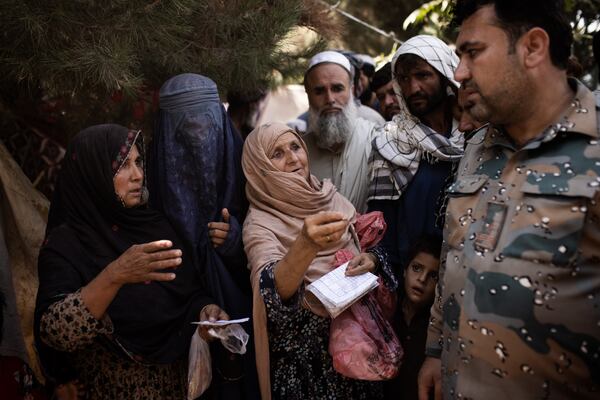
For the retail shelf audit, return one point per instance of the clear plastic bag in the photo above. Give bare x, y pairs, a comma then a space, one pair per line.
199, 367
233, 337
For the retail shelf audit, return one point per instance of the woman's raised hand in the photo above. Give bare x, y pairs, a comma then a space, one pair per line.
324, 228
218, 231
142, 263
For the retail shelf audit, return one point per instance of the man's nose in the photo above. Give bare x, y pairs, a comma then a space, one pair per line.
462, 72
329, 97
412, 87
389, 99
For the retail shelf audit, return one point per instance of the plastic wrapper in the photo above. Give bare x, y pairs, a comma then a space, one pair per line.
233, 337
363, 344
199, 367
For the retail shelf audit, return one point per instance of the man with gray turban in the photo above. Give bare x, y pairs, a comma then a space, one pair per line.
414, 153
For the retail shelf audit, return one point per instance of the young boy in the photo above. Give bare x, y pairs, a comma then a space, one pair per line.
412, 315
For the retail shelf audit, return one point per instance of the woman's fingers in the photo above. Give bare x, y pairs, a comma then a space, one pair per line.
223, 316
217, 237
357, 270
327, 228
216, 314
225, 214
327, 216
164, 255
332, 228
327, 233
324, 228
219, 232
160, 276
354, 262
222, 226
163, 264
360, 264
155, 246
212, 312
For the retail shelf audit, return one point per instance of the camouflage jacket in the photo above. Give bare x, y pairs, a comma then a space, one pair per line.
517, 311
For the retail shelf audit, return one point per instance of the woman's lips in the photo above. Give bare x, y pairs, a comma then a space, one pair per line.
417, 290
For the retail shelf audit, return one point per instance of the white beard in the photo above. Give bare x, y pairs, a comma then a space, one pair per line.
332, 130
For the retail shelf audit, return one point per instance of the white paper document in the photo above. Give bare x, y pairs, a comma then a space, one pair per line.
337, 291
221, 322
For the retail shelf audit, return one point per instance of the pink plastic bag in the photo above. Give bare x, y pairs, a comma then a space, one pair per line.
370, 229
362, 342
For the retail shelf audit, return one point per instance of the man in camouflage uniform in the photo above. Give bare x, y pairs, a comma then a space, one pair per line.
518, 309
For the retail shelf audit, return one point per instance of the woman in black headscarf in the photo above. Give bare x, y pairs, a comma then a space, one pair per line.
118, 290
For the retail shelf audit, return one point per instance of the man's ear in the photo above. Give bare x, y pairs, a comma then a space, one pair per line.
535, 47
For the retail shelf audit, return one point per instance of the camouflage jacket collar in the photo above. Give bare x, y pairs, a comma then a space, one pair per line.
580, 118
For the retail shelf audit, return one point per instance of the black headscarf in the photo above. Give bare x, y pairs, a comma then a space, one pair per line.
89, 228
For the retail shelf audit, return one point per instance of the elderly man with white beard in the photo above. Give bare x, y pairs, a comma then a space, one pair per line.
338, 140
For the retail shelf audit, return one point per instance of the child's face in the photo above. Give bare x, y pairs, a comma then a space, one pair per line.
420, 278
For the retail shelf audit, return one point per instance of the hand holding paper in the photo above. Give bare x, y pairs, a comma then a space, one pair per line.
337, 291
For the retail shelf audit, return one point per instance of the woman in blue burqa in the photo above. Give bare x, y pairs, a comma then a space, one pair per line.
196, 180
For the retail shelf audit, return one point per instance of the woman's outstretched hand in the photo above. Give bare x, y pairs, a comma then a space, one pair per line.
142, 263
324, 228
364, 262
218, 231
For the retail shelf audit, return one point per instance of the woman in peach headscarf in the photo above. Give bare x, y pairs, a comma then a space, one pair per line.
294, 227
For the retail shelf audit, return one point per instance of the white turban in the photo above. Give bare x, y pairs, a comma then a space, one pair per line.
330, 57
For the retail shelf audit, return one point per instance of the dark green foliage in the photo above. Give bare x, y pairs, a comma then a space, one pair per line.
433, 17
82, 52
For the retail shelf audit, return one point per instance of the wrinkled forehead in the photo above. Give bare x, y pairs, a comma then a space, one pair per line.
326, 73
277, 141
409, 63
283, 138
263, 138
